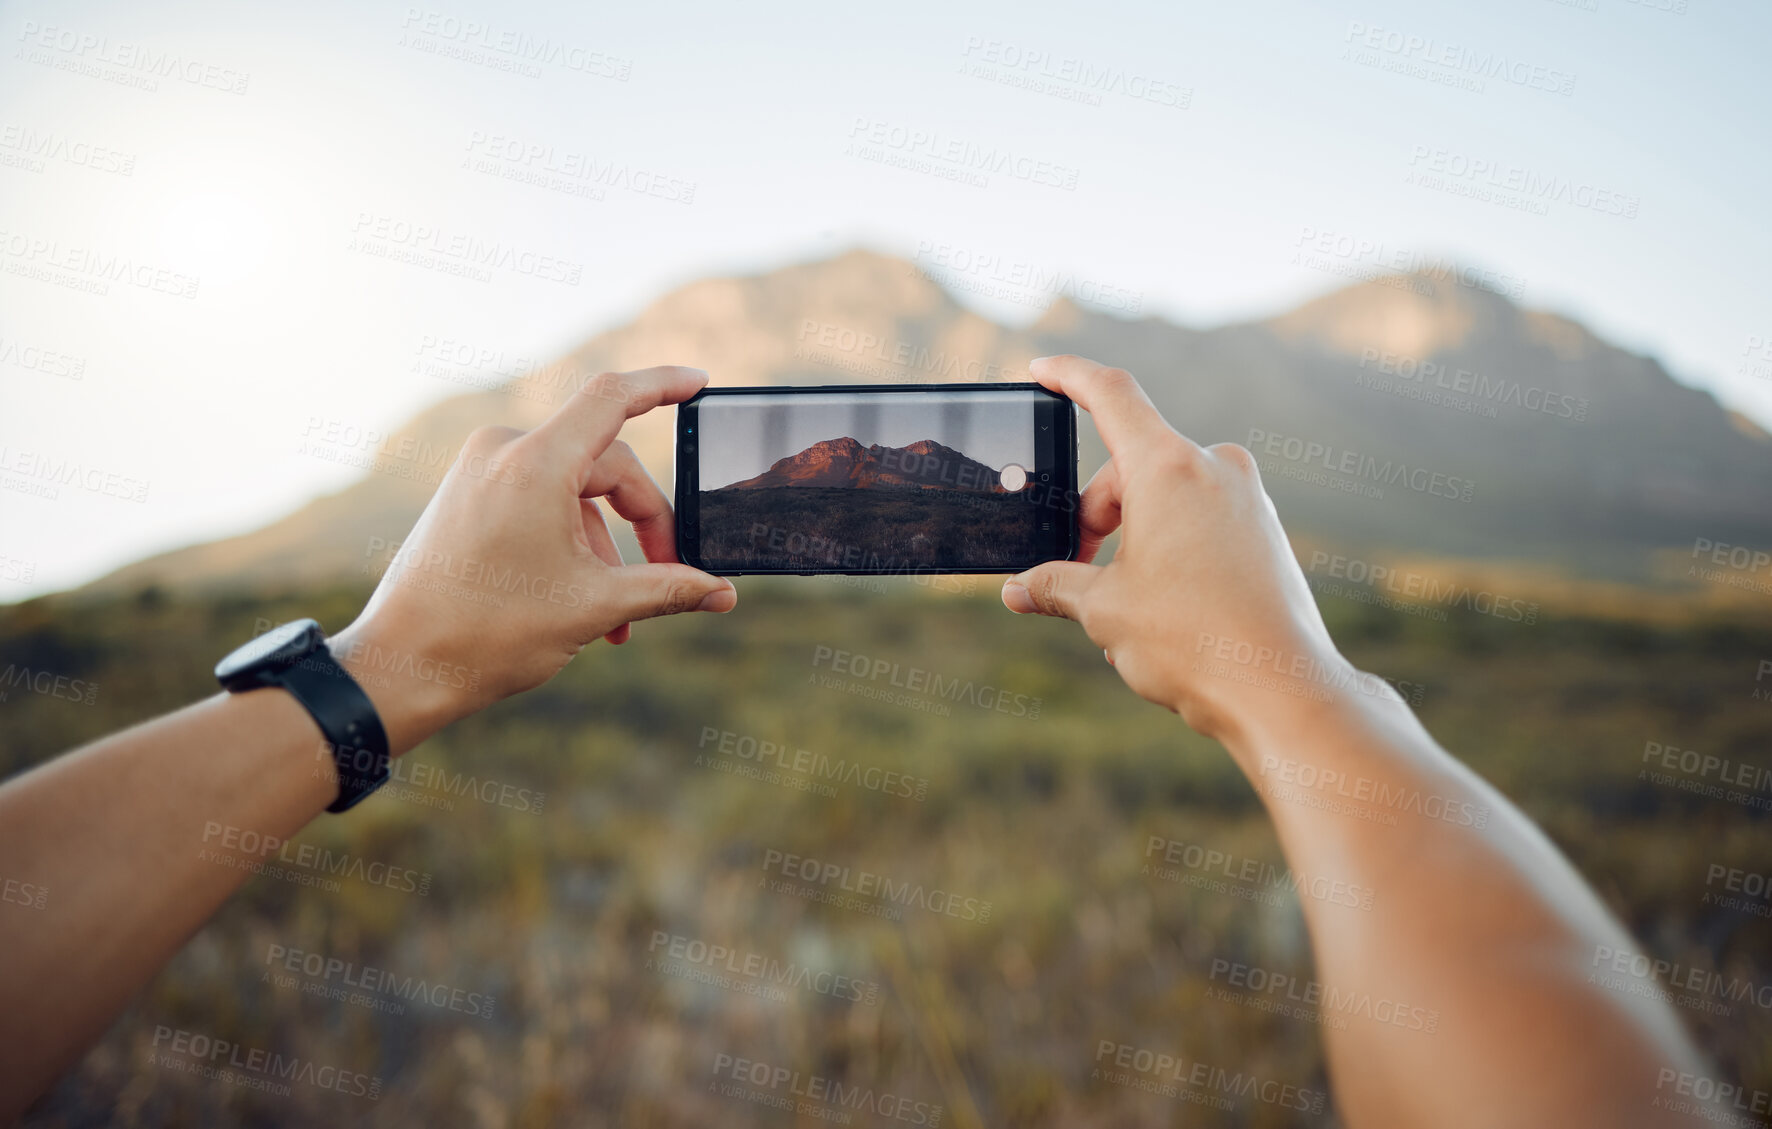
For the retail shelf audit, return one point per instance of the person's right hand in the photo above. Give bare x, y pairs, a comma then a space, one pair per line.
1203, 609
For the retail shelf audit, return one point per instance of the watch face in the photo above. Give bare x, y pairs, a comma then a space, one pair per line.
274, 647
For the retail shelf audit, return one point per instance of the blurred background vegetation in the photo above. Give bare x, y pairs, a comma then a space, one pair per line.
553, 913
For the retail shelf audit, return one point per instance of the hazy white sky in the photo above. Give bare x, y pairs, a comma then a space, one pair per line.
246, 183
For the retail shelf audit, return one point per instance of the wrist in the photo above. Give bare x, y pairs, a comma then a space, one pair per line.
1250, 711
1362, 723
409, 696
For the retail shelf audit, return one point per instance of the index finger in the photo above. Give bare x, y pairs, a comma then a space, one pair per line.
622, 480
1122, 412
589, 421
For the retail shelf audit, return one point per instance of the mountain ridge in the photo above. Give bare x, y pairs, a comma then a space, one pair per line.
924, 464
1628, 469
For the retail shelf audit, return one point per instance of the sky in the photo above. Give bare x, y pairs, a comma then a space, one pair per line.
224, 228
743, 436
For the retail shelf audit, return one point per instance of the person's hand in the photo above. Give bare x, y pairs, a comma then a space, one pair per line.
511, 571
1203, 608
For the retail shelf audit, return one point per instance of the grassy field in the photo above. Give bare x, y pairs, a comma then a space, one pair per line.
617, 913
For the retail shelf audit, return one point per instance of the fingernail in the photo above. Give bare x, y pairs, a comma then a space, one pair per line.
1016, 598
720, 600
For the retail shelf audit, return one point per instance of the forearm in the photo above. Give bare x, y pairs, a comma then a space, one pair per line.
123, 834
140, 837
1477, 926
1473, 916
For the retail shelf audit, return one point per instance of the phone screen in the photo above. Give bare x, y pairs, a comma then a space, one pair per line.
879, 481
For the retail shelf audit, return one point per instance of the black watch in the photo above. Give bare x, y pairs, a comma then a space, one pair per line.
294, 657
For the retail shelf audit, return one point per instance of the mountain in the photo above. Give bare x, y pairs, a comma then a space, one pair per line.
1565, 453
845, 462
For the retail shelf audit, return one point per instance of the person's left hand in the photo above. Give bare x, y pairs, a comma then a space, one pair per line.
511, 570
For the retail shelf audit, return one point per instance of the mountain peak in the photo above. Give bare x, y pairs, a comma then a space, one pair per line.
845, 462
843, 290
1411, 315
928, 447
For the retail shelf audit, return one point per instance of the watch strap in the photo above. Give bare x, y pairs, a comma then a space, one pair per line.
348, 720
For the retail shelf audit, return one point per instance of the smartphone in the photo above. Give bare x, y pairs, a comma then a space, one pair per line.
871, 480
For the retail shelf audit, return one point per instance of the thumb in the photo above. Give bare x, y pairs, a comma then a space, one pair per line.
1054, 588
642, 591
